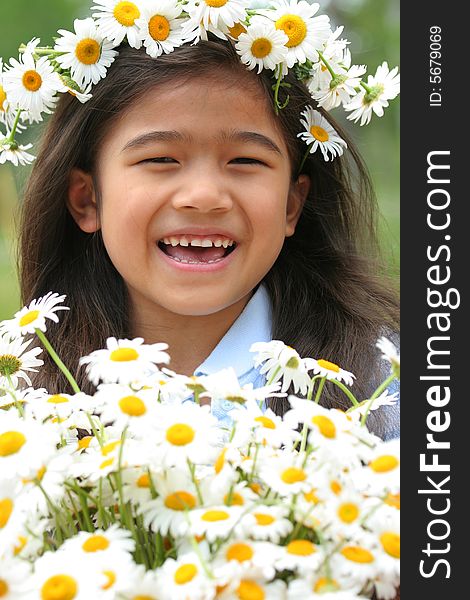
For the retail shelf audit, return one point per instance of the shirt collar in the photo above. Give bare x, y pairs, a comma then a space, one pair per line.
252, 325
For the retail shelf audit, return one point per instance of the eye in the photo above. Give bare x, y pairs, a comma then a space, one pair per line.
160, 160
244, 160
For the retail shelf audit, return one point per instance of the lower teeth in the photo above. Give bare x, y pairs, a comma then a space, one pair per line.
196, 262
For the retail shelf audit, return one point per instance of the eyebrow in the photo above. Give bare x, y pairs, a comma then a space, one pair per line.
233, 135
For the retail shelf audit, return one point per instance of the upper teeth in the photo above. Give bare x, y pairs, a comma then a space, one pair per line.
204, 243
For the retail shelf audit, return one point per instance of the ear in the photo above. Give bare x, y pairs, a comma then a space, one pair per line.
82, 201
295, 202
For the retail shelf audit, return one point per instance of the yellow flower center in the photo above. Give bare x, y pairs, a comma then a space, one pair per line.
220, 462
261, 47
325, 425
216, 3
235, 500
57, 399
84, 442
88, 51
29, 317
143, 597
393, 500
294, 27
143, 481
264, 519
322, 136
11, 442
250, 590
3, 97
132, 406
255, 487
240, 552
315, 130
3, 588
335, 487
111, 579
124, 355
357, 554
107, 448
59, 587
32, 81
180, 500
185, 573
236, 30
106, 463
9, 364
20, 545
384, 463
215, 515
324, 585
301, 548
293, 475
95, 543
159, 28
6, 508
266, 422
180, 434
391, 543
348, 512
311, 497
126, 13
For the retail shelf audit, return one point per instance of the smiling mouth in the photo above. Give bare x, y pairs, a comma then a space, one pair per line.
195, 253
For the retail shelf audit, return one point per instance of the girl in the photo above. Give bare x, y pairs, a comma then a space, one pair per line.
175, 205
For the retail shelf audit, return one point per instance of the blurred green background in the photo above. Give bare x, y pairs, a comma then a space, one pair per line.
372, 26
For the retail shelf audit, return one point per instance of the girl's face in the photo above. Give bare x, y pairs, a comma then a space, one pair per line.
187, 170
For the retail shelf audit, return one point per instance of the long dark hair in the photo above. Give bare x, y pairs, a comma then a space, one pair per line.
327, 288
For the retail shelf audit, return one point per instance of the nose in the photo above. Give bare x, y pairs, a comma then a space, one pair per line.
204, 191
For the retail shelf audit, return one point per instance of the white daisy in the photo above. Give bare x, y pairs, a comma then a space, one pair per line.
217, 521
145, 587
13, 508
159, 26
86, 53
14, 153
315, 587
306, 34
186, 432
193, 31
117, 19
271, 523
262, 46
300, 555
285, 474
330, 370
241, 558
251, 587
34, 316
217, 12
15, 360
32, 85
382, 87
176, 495
281, 361
14, 575
382, 474
45, 406
55, 571
385, 399
356, 560
333, 51
82, 94
319, 134
7, 113
343, 86
120, 405
113, 540
124, 361
184, 578
25, 445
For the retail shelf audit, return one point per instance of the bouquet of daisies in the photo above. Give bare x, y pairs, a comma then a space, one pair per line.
138, 492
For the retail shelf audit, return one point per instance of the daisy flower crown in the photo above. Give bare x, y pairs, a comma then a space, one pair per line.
280, 35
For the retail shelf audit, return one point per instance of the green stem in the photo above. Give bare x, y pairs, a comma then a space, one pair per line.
366, 87
327, 64
192, 470
277, 104
382, 387
41, 51
299, 172
11, 137
348, 393
13, 395
57, 360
